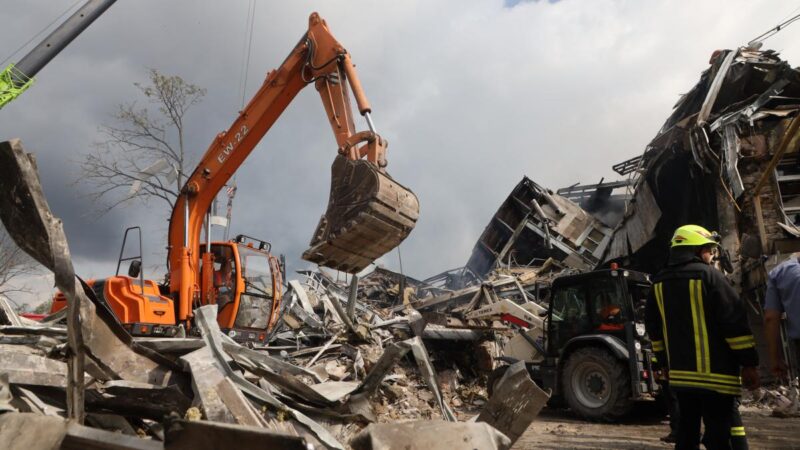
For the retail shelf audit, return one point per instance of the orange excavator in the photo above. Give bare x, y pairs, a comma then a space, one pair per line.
368, 212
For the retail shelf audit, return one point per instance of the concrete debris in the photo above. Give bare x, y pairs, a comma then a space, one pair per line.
384, 360
781, 400
335, 365
430, 435
515, 403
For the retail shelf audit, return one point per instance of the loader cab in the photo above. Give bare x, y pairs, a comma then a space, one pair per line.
598, 302
245, 282
597, 357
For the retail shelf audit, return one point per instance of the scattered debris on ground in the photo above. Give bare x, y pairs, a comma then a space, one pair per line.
336, 366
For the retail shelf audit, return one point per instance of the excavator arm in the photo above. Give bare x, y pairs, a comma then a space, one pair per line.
368, 212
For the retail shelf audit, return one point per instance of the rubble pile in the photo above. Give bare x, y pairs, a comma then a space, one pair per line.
338, 372
320, 386
781, 400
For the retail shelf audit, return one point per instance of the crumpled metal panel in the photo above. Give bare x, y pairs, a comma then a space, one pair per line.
515, 402
203, 435
90, 327
206, 319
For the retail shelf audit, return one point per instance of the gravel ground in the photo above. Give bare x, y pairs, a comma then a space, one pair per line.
559, 429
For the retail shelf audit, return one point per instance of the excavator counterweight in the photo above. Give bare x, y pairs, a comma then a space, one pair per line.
368, 215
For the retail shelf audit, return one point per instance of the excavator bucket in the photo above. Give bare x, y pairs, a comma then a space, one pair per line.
368, 215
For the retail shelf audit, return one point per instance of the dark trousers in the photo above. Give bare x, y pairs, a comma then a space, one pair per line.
738, 438
720, 415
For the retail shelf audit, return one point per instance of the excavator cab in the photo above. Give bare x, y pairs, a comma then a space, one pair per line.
246, 284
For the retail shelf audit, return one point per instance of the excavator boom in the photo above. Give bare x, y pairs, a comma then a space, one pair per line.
368, 212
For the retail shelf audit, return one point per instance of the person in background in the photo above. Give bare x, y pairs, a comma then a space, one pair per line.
783, 296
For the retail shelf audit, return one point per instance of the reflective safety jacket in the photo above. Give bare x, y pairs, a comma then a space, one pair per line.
698, 325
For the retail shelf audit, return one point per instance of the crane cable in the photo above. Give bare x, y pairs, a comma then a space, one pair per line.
776, 29
248, 45
3, 62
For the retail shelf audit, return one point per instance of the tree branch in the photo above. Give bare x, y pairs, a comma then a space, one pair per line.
139, 138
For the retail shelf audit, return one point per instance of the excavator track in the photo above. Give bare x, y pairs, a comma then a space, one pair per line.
368, 215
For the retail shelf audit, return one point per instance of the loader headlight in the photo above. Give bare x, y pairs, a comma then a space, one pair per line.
232, 333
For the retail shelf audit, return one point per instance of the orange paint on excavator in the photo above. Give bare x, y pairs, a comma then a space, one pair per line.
368, 212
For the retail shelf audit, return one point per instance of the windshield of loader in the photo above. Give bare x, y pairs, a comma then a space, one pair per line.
638, 293
255, 303
609, 311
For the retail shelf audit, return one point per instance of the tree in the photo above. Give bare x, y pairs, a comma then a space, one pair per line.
43, 307
142, 156
14, 265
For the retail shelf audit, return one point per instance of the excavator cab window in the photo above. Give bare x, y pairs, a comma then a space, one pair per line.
224, 274
255, 303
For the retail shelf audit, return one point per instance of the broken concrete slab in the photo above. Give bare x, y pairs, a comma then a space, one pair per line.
333, 391
201, 435
138, 399
430, 435
206, 319
207, 374
35, 370
515, 403
30, 223
26, 431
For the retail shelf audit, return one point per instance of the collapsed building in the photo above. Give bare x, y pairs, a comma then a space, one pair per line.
532, 226
726, 159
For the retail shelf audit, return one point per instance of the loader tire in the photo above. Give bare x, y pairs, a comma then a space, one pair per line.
596, 385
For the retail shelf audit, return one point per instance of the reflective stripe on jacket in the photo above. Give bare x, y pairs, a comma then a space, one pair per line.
698, 326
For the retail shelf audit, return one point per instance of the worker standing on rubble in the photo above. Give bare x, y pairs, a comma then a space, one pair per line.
783, 295
698, 327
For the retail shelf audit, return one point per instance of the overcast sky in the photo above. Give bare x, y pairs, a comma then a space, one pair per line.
471, 95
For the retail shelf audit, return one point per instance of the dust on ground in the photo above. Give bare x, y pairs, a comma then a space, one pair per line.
559, 429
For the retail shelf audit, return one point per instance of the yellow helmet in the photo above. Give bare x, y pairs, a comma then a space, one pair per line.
694, 236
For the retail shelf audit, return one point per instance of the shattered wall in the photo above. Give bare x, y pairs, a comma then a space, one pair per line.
726, 159
534, 224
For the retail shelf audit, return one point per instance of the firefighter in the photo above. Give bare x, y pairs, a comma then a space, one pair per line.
698, 327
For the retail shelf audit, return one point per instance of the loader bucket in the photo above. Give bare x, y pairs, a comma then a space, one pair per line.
368, 215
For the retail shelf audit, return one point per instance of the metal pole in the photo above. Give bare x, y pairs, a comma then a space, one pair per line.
52, 45
208, 232
369, 122
186, 221
353, 297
